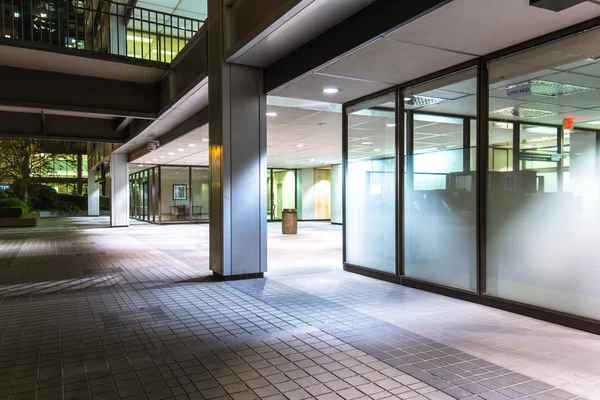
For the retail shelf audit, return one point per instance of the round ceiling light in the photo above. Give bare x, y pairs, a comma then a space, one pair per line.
330, 90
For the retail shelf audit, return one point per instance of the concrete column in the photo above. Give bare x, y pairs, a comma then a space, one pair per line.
119, 190
237, 160
93, 195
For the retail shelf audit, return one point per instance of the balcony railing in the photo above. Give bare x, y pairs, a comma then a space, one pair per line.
98, 25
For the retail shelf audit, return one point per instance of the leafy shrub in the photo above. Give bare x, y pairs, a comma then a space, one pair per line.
79, 201
11, 212
3, 194
42, 197
104, 203
67, 209
13, 202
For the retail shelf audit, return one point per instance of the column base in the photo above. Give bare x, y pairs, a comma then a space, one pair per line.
255, 275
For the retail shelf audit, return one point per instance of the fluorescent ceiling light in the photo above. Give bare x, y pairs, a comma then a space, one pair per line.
367, 143
551, 89
205, 140
593, 122
542, 129
523, 112
171, 154
437, 119
330, 90
180, 149
271, 114
391, 125
299, 145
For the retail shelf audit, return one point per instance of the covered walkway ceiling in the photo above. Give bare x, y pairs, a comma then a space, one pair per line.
457, 32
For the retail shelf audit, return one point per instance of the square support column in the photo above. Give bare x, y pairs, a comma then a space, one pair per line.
93, 195
237, 160
119, 190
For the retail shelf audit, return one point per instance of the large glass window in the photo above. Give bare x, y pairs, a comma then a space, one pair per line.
371, 185
440, 184
543, 204
200, 193
282, 186
175, 194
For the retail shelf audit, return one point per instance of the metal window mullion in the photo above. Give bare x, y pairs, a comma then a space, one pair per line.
466, 144
344, 180
482, 171
399, 135
516, 165
560, 143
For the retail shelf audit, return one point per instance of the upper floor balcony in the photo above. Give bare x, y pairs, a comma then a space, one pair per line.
102, 26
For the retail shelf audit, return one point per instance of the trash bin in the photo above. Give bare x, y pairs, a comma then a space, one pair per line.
289, 221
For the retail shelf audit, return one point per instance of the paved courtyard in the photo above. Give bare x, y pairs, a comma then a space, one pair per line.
92, 312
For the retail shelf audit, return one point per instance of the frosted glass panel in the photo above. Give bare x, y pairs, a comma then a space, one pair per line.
371, 187
440, 221
543, 225
440, 186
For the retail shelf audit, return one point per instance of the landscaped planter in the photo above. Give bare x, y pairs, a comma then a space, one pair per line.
17, 222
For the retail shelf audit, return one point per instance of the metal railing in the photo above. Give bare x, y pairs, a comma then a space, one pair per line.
98, 25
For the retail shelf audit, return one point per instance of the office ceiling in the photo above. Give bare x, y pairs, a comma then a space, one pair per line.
301, 135
457, 32
196, 9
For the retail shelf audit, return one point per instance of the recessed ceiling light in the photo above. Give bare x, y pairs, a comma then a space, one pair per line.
191, 145
407, 98
367, 142
205, 140
271, 114
171, 154
391, 125
330, 90
180, 149
299, 145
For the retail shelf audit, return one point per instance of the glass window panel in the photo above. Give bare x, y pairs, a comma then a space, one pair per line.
371, 186
440, 196
543, 208
200, 193
284, 191
175, 194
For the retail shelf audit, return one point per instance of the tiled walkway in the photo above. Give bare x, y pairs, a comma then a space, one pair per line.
134, 313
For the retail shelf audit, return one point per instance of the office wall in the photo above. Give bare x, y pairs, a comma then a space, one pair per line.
308, 201
336, 194
284, 190
322, 194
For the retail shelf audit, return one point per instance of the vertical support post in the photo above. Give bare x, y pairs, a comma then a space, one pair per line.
516, 165
400, 121
237, 161
80, 174
119, 190
466, 144
560, 143
93, 189
482, 171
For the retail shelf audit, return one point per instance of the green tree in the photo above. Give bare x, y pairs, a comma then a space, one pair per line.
22, 160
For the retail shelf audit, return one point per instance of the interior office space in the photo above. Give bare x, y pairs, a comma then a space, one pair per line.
304, 171
485, 186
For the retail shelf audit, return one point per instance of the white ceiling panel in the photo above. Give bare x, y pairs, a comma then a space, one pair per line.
389, 61
483, 26
311, 88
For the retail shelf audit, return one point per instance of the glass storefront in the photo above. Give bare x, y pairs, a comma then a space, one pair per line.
170, 194
440, 183
371, 185
510, 213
